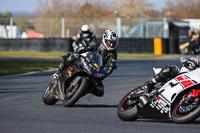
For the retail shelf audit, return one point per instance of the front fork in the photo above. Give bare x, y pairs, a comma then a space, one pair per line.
188, 98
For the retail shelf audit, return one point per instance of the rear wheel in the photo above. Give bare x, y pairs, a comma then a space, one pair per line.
49, 95
127, 108
73, 94
186, 109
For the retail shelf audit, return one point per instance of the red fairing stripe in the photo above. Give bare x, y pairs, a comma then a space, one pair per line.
182, 77
184, 81
187, 83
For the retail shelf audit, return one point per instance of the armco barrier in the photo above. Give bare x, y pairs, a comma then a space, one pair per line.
45, 45
126, 45
135, 45
143, 45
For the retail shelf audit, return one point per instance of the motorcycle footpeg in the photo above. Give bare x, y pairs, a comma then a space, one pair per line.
151, 94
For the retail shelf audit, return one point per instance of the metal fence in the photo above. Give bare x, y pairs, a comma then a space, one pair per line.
53, 27
69, 27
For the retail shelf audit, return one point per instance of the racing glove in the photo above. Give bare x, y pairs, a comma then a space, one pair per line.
100, 76
81, 50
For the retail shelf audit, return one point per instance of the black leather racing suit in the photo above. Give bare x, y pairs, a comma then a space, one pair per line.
172, 71
90, 37
109, 61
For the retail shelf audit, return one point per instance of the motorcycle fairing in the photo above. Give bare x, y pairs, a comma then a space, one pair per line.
70, 71
179, 84
160, 107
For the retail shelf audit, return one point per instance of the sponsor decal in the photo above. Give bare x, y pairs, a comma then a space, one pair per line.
90, 65
97, 67
160, 104
69, 72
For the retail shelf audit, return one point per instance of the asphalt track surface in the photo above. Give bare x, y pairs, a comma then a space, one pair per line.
22, 109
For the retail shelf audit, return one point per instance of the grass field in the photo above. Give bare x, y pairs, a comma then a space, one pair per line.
9, 67
60, 54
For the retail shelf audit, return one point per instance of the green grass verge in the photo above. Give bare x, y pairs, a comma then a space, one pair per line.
60, 54
32, 54
9, 67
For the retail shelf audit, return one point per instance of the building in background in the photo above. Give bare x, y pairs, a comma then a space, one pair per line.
33, 34
3, 31
13, 32
9, 32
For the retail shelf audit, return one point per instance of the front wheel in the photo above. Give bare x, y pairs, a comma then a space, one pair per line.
186, 109
73, 94
127, 108
48, 96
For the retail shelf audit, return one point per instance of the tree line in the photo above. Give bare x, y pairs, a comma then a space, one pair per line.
82, 10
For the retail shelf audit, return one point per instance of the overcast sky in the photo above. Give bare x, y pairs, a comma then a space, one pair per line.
29, 5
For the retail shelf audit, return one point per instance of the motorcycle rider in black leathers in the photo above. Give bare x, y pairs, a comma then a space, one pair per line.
85, 35
105, 47
170, 72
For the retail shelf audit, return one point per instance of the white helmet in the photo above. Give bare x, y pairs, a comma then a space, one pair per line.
110, 40
85, 29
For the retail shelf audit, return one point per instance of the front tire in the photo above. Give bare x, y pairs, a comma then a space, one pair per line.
48, 96
77, 93
186, 113
126, 112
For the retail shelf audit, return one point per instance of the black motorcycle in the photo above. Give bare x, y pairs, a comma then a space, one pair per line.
79, 79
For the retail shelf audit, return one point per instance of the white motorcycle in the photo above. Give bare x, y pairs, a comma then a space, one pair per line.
177, 99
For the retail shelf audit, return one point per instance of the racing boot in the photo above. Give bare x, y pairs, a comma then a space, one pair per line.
68, 58
146, 89
149, 85
142, 93
60, 68
98, 89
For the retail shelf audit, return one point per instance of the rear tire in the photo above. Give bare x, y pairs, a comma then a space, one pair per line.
125, 112
83, 84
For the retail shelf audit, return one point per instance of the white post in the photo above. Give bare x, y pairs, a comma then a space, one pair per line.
165, 25
119, 26
11, 27
63, 27
118, 23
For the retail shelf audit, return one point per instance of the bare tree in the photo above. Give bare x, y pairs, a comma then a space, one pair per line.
180, 9
131, 8
94, 13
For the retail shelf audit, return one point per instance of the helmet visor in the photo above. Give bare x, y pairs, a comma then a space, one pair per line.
85, 35
111, 43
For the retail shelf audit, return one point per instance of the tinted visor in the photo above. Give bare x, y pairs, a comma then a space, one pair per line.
112, 43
